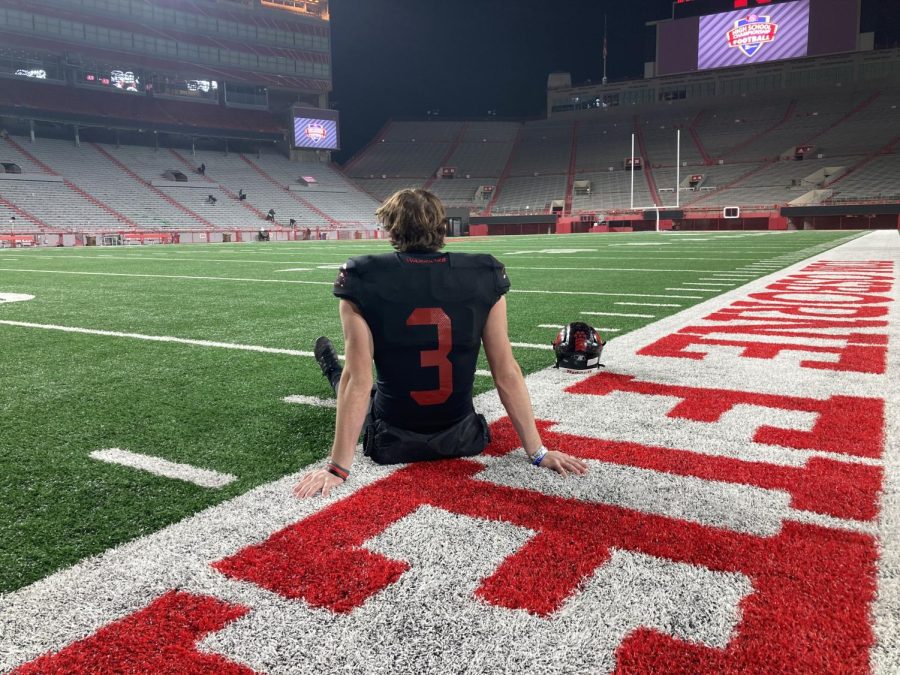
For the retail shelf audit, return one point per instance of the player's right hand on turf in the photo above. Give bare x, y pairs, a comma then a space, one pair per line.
564, 464
315, 482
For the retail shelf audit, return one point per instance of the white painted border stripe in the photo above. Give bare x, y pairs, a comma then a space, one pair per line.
170, 276
646, 304
530, 345
163, 467
311, 400
558, 326
182, 341
613, 295
634, 316
158, 338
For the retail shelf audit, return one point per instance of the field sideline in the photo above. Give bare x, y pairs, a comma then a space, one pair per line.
186, 354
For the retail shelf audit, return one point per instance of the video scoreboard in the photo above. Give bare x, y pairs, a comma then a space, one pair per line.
316, 129
709, 34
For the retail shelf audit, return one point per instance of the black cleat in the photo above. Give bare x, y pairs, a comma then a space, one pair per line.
327, 359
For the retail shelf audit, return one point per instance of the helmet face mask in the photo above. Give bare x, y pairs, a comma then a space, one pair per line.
578, 346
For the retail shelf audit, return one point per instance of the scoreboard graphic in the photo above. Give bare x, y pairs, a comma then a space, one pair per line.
707, 34
316, 128
744, 37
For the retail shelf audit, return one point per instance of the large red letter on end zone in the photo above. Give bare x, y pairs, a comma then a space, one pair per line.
161, 638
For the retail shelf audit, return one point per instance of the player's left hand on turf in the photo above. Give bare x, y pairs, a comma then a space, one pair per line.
564, 464
315, 482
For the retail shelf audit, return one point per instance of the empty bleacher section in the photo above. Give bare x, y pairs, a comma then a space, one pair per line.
97, 187
410, 154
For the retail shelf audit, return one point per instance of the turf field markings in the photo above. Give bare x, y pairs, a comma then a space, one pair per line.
163, 467
175, 340
831, 522
531, 345
171, 259
311, 400
612, 295
171, 276
611, 269
159, 338
296, 269
696, 290
705, 283
560, 326
15, 297
646, 304
634, 316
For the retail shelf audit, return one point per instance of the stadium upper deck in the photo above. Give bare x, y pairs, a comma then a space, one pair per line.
808, 131
131, 64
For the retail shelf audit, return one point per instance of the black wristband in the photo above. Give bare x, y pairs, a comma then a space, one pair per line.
336, 470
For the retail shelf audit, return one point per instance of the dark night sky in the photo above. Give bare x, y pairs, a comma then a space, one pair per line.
399, 58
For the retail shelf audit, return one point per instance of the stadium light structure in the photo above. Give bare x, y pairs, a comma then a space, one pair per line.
677, 179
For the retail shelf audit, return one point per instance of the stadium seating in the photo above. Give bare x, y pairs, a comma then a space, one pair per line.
104, 188
745, 154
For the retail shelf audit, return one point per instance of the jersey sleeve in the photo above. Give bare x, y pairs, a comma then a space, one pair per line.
347, 285
501, 280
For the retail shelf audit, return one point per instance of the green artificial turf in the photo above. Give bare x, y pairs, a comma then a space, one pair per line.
64, 395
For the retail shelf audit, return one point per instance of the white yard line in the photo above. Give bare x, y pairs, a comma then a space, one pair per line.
634, 316
615, 269
560, 326
170, 276
706, 283
176, 340
158, 338
165, 259
531, 345
163, 467
612, 295
696, 290
311, 400
646, 304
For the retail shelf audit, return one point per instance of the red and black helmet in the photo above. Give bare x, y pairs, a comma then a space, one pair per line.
578, 346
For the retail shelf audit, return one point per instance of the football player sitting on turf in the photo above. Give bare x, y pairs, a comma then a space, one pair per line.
421, 315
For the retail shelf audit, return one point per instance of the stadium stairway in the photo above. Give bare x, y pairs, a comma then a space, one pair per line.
698, 142
312, 207
573, 169
789, 113
842, 120
230, 193
49, 200
858, 170
507, 168
447, 155
647, 170
20, 212
197, 217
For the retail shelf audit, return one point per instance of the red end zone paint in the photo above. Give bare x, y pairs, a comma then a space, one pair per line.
810, 608
846, 424
812, 585
834, 488
823, 296
160, 638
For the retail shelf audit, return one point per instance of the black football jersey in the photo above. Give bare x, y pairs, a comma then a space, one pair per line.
426, 312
